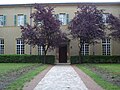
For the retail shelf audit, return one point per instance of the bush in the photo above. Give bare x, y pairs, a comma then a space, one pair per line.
50, 59
95, 59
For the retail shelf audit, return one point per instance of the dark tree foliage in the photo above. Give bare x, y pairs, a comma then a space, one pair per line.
46, 29
87, 25
114, 25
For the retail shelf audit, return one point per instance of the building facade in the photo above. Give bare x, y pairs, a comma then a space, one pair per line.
12, 16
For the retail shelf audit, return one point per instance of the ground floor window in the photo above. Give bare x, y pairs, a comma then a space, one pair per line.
1, 46
85, 49
20, 46
106, 46
40, 50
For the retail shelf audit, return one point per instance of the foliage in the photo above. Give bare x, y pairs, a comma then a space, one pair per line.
46, 30
50, 59
97, 78
96, 59
87, 25
114, 24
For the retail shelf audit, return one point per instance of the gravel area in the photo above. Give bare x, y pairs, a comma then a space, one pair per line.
61, 77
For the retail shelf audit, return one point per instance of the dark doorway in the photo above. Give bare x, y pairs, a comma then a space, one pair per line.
63, 54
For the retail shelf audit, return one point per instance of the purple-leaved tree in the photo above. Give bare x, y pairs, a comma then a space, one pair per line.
46, 29
114, 26
87, 25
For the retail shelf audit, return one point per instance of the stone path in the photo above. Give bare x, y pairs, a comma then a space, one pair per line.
61, 77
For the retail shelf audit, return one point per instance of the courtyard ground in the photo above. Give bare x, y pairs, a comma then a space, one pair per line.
106, 75
64, 77
13, 76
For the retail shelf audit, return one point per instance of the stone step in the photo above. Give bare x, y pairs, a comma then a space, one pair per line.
62, 63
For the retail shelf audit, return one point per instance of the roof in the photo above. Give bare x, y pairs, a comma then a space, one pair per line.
98, 3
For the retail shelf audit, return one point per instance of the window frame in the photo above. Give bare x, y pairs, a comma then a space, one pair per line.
85, 49
19, 20
21, 49
64, 20
1, 45
106, 46
40, 50
105, 15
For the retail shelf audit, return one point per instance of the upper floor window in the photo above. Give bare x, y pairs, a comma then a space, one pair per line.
106, 46
2, 20
19, 19
1, 46
20, 46
64, 18
105, 16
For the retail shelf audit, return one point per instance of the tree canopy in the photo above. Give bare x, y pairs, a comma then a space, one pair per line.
114, 25
87, 24
46, 29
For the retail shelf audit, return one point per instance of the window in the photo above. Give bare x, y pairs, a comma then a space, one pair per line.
40, 50
2, 20
1, 46
85, 49
19, 19
20, 46
105, 16
106, 46
64, 18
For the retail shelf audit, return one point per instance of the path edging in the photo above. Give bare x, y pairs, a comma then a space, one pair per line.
33, 83
89, 82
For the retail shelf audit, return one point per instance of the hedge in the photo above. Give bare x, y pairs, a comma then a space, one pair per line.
50, 59
95, 59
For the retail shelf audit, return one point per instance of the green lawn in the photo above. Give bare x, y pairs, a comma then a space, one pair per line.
17, 84
112, 68
20, 82
87, 68
9, 67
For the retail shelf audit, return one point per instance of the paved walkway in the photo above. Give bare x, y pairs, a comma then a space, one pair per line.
61, 77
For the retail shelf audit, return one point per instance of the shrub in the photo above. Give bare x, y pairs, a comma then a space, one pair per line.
95, 59
50, 59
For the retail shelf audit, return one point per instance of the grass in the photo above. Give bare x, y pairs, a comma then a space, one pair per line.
112, 68
6, 68
20, 82
97, 78
9, 67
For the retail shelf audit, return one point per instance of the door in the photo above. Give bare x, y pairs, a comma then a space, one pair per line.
63, 54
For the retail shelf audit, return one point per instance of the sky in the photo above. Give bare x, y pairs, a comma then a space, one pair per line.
51, 1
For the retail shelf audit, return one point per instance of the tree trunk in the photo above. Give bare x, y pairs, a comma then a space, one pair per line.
44, 57
93, 48
80, 55
45, 52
